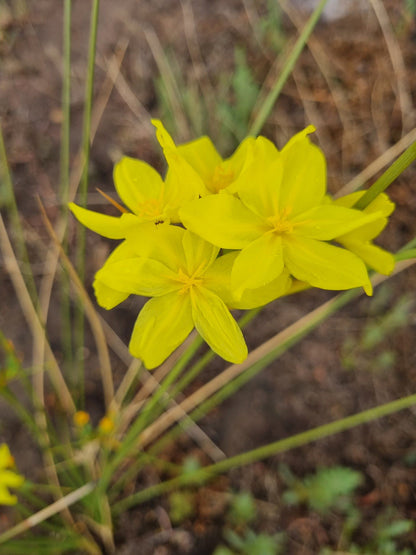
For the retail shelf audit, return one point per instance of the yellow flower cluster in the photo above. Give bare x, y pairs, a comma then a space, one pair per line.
268, 207
8, 478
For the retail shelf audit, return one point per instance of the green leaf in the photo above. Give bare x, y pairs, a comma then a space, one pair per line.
325, 488
242, 508
397, 528
261, 544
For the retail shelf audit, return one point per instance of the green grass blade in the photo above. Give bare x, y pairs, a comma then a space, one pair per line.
387, 178
7, 197
271, 98
64, 177
83, 189
207, 473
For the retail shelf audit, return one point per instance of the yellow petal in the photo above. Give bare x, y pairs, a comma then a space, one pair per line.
216, 326
202, 156
326, 222
300, 136
139, 276
199, 254
176, 195
106, 296
179, 167
6, 498
375, 257
227, 175
304, 175
218, 280
6, 458
10, 479
162, 325
381, 205
258, 264
263, 197
323, 265
137, 183
222, 220
159, 242
107, 226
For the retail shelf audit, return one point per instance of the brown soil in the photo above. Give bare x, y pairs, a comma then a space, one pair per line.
355, 93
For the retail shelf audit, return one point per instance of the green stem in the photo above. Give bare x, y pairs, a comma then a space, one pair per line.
273, 95
18, 234
207, 357
304, 438
300, 330
392, 172
83, 189
193, 372
149, 412
64, 178
25, 417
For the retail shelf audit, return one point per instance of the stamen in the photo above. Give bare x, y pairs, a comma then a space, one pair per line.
188, 281
151, 208
221, 178
281, 223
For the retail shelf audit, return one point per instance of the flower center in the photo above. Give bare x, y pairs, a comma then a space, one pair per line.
280, 223
188, 281
150, 209
220, 179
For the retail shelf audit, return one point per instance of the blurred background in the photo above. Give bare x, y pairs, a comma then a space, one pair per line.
204, 67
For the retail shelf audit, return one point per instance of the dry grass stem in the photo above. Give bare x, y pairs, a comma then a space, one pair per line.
132, 102
129, 377
325, 66
57, 379
93, 318
32, 317
170, 83
173, 415
48, 511
52, 257
403, 92
384, 160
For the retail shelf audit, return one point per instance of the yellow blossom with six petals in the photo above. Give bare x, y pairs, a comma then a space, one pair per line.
279, 219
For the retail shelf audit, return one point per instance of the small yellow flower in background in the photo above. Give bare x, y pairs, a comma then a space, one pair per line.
280, 220
81, 418
106, 425
199, 162
8, 478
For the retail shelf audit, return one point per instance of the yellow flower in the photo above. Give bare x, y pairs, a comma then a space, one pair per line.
360, 242
149, 199
8, 478
81, 418
280, 221
106, 425
199, 163
180, 272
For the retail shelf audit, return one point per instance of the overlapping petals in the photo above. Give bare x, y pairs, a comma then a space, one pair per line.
148, 198
282, 221
199, 163
360, 241
182, 299
268, 207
